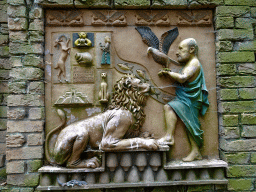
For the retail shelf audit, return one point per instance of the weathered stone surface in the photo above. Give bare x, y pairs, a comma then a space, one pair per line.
238, 106
26, 73
245, 46
18, 36
3, 111
35, 152
36, 113
16, 113
15, 61
4, 51
34, 165
231, 132
16, 11
240, 2
3, 87
230, 120
243, 23
27, 189
15, 140
25, 100
247, 68
2, 148
36, 36
232, 11
36, 25
33, 60
2, 160
132, 4
3, 124
2, 136
247, 93
3, 12
238, 145
17, 24
240, 184
4, 74
36, 13
25, 126
4, 39
224, 22
226, 69
5, 63
241, 171
253, 12
224, 46
253, 157
4, 28
229, 94
170, 4
36, 88
35, 139
29, 180
16, 2
248, 119
15, 167
237, 158
235, 34
237, 81
249, 131
26, 48
17, 87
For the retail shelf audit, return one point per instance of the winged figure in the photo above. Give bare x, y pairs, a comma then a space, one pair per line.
159, 49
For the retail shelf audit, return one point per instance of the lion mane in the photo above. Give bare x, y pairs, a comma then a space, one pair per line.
128, 97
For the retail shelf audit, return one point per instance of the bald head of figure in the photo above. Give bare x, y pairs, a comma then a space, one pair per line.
192, 44
188, 48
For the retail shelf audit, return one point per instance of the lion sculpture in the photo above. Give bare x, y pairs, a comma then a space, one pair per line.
115, 129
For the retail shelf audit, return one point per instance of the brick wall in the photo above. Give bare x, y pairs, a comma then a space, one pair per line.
22, 64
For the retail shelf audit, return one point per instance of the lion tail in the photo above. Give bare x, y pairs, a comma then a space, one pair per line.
50, 134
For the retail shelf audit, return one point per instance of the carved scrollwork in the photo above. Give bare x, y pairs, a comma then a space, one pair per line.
147, 18
69, 18
194, 18
116, 19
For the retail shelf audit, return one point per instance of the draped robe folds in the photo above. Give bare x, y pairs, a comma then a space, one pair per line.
192, 98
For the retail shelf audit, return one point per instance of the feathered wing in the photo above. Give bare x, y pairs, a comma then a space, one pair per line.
148, 37
167, 39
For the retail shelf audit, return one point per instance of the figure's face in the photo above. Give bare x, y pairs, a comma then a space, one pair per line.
103, 75
183, 52
82, 35
142, 87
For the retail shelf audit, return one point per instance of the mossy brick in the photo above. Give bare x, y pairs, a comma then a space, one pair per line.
248, 119
245, 145
198, 188
26, 73
170, 4
3, 140
4, 87
25, 100
3, 111
92, 3
18, 36
15, 167
3, 124
29, 180
17, 24
240, 2
34, 165
238, 107
5, 63
4, 74
232, 11
243, 23
127, 4
17, 11
36, 13
226, 69
36, 36
228, 94
4, 51
15, 61
245, 46
36, 113
26, 48
36, 88
224, 22
33, 60
230, 120
3, 172
4, 29
26, 189
253, 157
247, 69
236, 81
3, 13
248, 131
231, 132
14, 189
247, 93
16, 2
4, 39
224, 46
235, 57
235, 34
240, 184
237, 158
16, 113
253, 12
36, 25
2, 148
17, 87
32, 152
241, 171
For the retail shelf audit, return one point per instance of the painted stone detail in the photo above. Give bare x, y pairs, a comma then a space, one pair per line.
194, 18
73, 97
15, 140
116, 18
83, 75
147, 18
69, 18
103, 94
105, 51
82, 41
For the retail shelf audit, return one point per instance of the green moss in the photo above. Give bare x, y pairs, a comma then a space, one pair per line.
34, 165
230, 120
240, 184
238, 106
237, 158
31, 180
235, 57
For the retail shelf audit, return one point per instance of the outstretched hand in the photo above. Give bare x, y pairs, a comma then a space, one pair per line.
163, 71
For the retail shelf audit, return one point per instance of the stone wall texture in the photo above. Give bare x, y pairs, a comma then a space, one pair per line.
22, 86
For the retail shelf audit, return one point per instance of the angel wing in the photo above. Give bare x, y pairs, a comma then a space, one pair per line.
99, 15
148, 37
167, 39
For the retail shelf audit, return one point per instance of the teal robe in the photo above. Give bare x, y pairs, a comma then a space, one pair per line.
192, 98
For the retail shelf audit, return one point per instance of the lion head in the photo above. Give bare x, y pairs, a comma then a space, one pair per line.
129, 94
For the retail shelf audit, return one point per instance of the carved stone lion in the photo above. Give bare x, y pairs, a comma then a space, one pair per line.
115, 129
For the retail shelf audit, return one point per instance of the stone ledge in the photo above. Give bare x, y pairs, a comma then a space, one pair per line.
54, 169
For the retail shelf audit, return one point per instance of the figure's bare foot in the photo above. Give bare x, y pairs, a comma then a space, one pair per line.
150, 144
194, 155
166, 140
88, 163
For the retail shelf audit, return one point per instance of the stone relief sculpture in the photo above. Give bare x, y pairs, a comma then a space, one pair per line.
194, 18
116, 19
83, 58
191, 98
64, 48
82, 41
103, 94
105, 51
115, 129
145, 18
